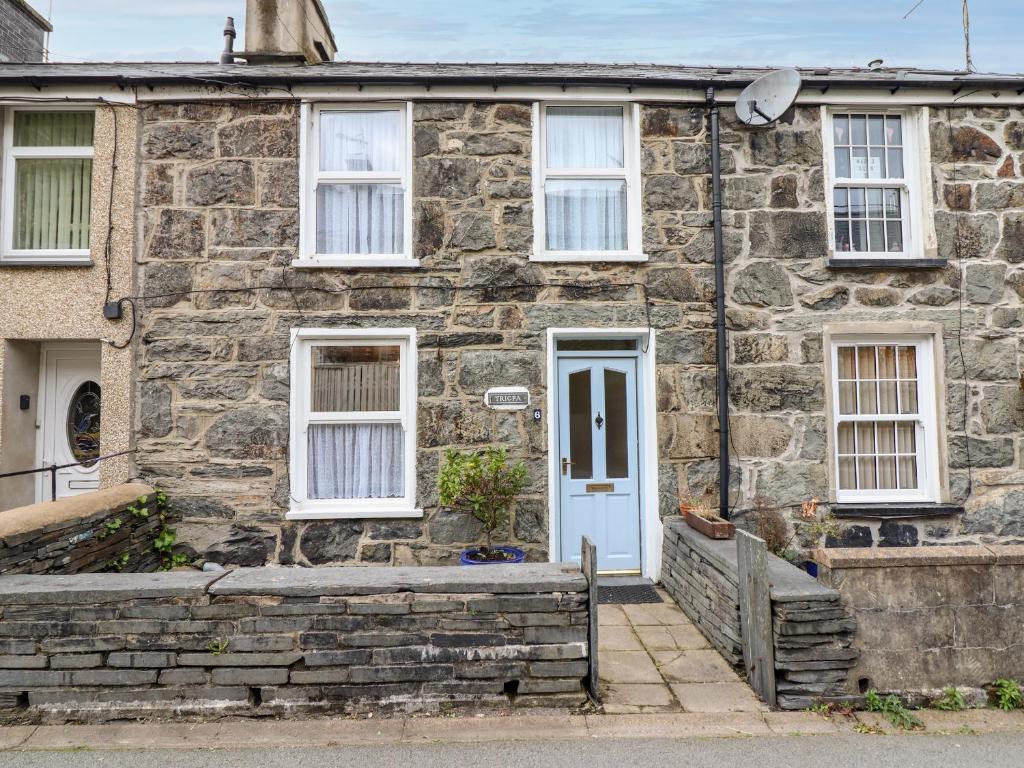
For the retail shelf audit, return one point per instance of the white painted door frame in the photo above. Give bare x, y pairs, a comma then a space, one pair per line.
650, 521
51, 416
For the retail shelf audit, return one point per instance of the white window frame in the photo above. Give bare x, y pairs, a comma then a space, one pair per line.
10, 153
310, 176
303, 340
916, 205
630, 173
927, 433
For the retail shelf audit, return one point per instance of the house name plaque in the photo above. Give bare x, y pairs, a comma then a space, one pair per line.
507, 398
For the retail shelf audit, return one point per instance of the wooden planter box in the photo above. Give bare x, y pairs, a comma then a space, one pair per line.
716, 528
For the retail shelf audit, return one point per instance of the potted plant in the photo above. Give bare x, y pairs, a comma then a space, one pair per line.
484, 484
701, 516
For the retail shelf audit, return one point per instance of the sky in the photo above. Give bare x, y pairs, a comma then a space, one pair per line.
695, 32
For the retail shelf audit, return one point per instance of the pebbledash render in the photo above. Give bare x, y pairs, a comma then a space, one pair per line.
872, 238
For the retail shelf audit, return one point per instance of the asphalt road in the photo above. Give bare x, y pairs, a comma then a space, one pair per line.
843, 751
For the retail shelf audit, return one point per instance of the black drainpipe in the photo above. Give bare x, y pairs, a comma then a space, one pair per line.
721, 345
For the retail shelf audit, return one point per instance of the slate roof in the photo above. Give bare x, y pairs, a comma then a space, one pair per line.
397, 73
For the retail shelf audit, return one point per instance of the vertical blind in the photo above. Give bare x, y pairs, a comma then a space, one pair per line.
52, 195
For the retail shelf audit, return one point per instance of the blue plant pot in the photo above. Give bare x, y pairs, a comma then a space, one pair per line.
519, 557
811, 567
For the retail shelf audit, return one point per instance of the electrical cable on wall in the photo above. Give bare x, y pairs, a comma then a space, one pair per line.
574, 285
107, 246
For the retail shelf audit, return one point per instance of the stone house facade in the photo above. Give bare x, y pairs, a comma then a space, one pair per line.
549, 229
226, 287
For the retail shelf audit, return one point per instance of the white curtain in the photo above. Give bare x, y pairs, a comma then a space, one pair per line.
356, 461
584, 137
359, 140
360, 218
585, 214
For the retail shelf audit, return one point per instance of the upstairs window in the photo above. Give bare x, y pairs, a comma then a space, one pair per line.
874, 194
47, 185
358, 202
884, 418
587, 204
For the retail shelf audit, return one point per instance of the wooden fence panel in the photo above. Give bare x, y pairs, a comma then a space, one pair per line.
756, 615
356, 387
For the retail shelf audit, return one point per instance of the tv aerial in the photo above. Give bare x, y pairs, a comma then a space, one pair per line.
766, 99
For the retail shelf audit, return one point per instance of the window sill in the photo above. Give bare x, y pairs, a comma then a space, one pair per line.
355, 262
596, 256
46, 261
884, 263
353, 514
880, 511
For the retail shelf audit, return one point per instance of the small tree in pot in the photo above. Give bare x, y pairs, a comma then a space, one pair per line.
484, 484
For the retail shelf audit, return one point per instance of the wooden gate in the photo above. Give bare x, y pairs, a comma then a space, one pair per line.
756, 615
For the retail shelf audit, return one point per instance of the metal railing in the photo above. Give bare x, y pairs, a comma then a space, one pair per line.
52, 469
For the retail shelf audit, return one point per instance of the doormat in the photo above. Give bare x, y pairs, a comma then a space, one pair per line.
628, 595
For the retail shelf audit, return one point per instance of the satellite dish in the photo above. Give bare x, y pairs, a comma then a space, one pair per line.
767, 98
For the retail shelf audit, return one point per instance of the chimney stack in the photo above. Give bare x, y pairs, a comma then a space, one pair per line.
287, 32
227, 56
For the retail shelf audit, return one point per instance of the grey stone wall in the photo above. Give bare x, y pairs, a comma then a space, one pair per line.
276, 641
21, 35
704, 586
928, 618
79, 534
813, 632
220, 207
781, 292
220, 212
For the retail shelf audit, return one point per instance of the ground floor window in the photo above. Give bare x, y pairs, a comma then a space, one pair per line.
883, 396
353, 410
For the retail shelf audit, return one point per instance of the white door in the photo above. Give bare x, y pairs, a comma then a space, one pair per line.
69, 408
598, 460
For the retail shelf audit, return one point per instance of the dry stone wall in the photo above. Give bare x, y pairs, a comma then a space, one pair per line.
273, 641
220, 199
813, 632
81, 534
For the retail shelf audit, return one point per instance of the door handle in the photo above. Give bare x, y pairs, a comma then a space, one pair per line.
565, 465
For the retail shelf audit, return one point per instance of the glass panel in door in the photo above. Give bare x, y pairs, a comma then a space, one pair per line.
581, 446
616, 424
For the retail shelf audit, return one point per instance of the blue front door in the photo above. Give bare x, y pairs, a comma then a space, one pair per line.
598, 460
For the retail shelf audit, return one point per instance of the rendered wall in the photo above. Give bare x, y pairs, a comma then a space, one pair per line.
49, 303
931, 617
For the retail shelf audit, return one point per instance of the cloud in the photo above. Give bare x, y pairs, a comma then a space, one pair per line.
727, 32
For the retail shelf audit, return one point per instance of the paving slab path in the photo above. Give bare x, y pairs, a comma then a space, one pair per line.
653, 659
